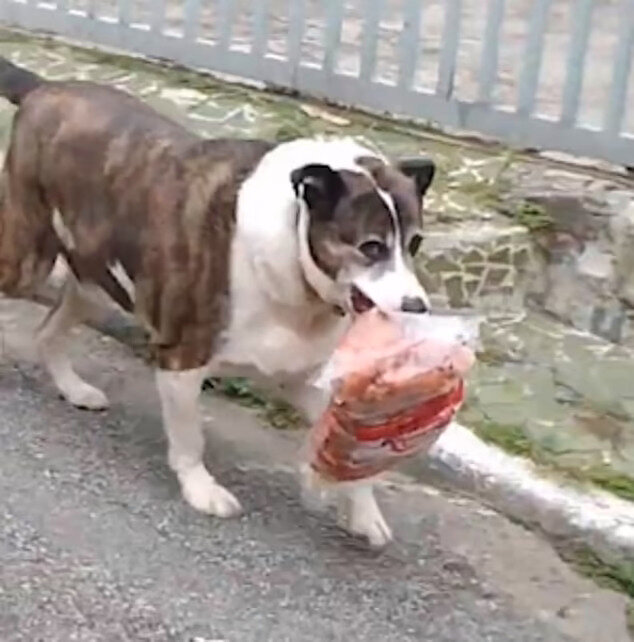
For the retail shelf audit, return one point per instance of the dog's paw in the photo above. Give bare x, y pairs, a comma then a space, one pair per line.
314, 495
360, 515
373, 527
83, 395
202, 492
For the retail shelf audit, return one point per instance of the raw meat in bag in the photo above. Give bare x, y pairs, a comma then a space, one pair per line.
396, 381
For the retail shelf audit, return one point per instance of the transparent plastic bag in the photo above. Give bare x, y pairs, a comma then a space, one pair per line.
396, 381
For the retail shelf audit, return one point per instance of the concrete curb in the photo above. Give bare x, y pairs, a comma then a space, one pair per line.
516, 487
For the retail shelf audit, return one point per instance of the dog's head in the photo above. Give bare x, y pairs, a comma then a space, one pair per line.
359, 231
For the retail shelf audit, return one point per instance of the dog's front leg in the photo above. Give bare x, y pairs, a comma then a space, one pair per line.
357, 509
179, 392
358, 513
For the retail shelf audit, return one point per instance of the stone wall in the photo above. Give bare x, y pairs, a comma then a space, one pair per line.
577, 265
479, 265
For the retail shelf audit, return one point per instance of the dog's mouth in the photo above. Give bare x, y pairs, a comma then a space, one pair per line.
359, 301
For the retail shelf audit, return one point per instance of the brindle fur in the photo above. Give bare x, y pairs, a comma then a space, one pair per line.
131, 187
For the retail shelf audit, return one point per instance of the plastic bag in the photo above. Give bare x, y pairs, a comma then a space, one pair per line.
395, 382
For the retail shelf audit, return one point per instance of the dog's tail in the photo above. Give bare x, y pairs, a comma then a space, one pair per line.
15, 82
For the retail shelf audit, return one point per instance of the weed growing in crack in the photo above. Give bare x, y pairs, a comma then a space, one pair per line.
277, 413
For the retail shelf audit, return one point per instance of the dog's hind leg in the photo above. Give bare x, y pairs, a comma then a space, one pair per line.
28, 244
53, 338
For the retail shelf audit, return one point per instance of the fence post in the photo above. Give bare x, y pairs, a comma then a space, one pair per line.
622, 66
529, 77
332, 38
226, 18
449, 53
491, 51
575, 66
409, 43
260, 28
370, 39
191, 19
158, 16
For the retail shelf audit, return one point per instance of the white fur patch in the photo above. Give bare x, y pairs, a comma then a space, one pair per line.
62, 231
359, 514
276, 324
202, 492
179, 393
388, 285
118, 272
267, 210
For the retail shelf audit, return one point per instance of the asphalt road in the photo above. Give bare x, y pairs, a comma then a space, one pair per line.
95, 543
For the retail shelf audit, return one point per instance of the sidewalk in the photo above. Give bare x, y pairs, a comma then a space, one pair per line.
501, 232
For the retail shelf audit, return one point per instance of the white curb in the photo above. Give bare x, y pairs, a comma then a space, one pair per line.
517, 488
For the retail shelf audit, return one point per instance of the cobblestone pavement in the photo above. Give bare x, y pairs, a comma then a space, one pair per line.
545, 387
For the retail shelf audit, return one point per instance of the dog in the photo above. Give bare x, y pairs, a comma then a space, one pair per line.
240, 257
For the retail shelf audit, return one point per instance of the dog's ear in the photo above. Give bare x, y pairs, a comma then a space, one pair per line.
320, 187
421, 169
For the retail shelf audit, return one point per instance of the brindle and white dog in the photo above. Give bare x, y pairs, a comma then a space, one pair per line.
239, 256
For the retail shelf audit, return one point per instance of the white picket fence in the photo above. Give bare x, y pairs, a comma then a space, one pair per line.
541, 74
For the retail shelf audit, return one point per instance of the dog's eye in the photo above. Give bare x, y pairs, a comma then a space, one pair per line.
414, 244
374, 250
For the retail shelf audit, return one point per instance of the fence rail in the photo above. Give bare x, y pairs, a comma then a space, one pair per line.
516, 71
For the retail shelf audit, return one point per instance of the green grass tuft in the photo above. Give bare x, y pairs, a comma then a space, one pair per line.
513, 440
509, 438
619, 577
277, 413
532, 216
616, 483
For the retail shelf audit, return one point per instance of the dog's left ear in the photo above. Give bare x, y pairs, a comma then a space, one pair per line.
320, 187
421, 169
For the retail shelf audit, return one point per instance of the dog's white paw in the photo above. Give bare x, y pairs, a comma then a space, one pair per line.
360, 515
373, 527
202, 492
83, 395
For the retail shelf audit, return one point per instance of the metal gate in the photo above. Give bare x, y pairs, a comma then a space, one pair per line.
541, 74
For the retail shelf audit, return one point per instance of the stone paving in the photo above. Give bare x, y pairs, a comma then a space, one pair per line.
543, 387
569, 393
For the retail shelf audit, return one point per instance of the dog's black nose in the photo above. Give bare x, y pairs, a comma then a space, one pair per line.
413, 304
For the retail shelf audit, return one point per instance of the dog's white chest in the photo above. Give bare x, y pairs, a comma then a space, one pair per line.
273, 330
262, 343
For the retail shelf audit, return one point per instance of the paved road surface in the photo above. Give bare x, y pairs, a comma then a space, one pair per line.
96, 545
